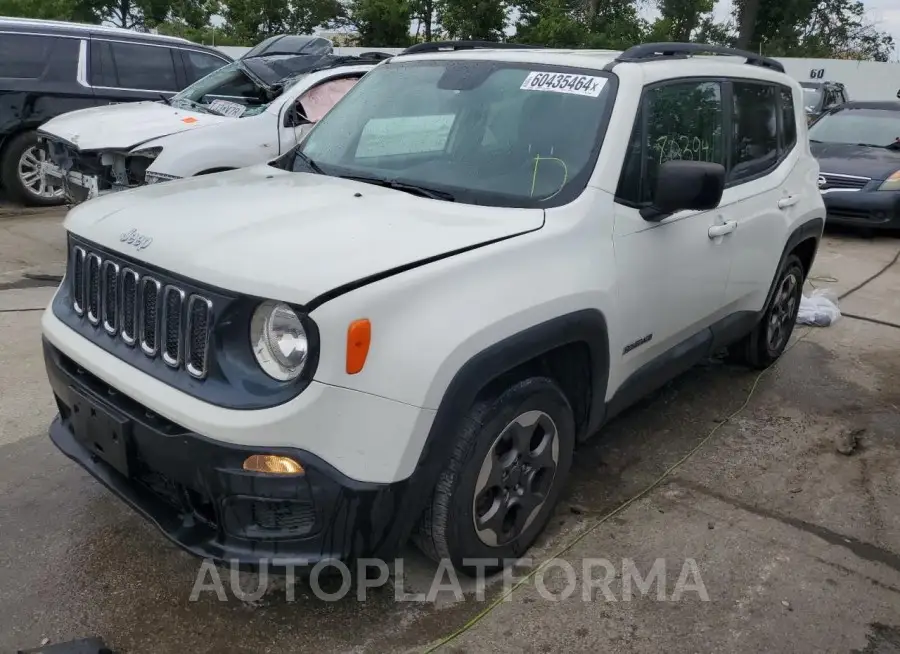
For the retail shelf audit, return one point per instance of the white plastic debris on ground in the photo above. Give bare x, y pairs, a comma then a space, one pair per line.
819, 309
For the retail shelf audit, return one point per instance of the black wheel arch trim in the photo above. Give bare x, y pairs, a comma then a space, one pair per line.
588, 326
810, 230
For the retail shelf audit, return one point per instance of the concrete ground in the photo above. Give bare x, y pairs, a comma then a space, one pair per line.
796, 544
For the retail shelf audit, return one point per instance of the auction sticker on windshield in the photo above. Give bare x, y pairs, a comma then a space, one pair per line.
564, 83
226, 108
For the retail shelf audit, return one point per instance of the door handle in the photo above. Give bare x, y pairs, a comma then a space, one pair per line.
721, 230
788, 201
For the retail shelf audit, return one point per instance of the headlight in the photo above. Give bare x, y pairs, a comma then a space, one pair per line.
892, 183
279, 341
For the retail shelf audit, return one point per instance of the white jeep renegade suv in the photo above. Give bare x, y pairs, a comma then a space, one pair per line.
405, 325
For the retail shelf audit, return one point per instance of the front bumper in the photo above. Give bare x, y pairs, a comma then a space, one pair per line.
195, 490
872, 209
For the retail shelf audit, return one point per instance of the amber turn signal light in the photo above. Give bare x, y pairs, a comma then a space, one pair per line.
273, 464
359, 335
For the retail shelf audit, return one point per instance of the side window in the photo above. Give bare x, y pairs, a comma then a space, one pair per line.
788, 120
24, 56
318, 101
754, 139
144, 67
103, 72
201, 64
681, 121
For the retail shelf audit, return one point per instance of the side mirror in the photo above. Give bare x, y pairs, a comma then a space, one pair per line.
685, 185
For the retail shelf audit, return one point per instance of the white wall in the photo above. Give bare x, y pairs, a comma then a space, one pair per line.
234, 51
865, 80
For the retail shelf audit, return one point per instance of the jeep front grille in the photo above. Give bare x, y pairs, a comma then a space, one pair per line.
163, 319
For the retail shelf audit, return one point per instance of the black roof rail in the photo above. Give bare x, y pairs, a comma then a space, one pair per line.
649, 51
452, 46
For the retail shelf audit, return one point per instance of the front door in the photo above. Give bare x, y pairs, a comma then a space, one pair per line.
672, 274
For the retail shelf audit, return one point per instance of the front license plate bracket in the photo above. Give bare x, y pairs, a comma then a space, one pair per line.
106, 433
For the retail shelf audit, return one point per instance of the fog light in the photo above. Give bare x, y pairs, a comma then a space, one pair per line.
273, 465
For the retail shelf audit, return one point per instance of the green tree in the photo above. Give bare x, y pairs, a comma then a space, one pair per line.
811, 28
251, 21
681, 18
610, 24
47, 9
380, 22
482, 20
425, 12
553, 23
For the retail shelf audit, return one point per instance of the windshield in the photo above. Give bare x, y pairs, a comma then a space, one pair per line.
812, 98
880, 127
227, 91
482, 132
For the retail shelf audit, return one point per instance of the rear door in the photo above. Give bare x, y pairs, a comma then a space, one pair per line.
39, 79
124, 71
765, 185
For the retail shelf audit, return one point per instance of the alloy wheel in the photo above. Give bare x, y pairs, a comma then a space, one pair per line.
31, 175
783, 313
515, 478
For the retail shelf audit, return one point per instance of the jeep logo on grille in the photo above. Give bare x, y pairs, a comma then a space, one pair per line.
135, 238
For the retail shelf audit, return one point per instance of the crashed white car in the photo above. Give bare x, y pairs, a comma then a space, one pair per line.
245, 113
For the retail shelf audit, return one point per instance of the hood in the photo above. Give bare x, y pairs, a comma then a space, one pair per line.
287, 236
860, 160
124, 126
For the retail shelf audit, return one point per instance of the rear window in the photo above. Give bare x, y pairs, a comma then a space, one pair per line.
24, 56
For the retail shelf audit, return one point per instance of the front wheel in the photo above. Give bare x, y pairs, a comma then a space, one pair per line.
23, 176
498, 490
768, 340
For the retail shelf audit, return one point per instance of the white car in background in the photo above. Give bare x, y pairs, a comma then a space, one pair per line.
247, 112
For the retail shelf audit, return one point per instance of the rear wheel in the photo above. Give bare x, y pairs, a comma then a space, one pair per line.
499, 488
766, 343
22, 173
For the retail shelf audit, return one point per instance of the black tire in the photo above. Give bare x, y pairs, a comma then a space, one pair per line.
447, 528
760, 348
9, 173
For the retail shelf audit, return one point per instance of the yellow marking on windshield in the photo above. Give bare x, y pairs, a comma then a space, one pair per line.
537, 160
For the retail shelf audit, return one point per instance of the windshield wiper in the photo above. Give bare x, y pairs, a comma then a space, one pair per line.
872, 145
312, 165
165, 98
414, 189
